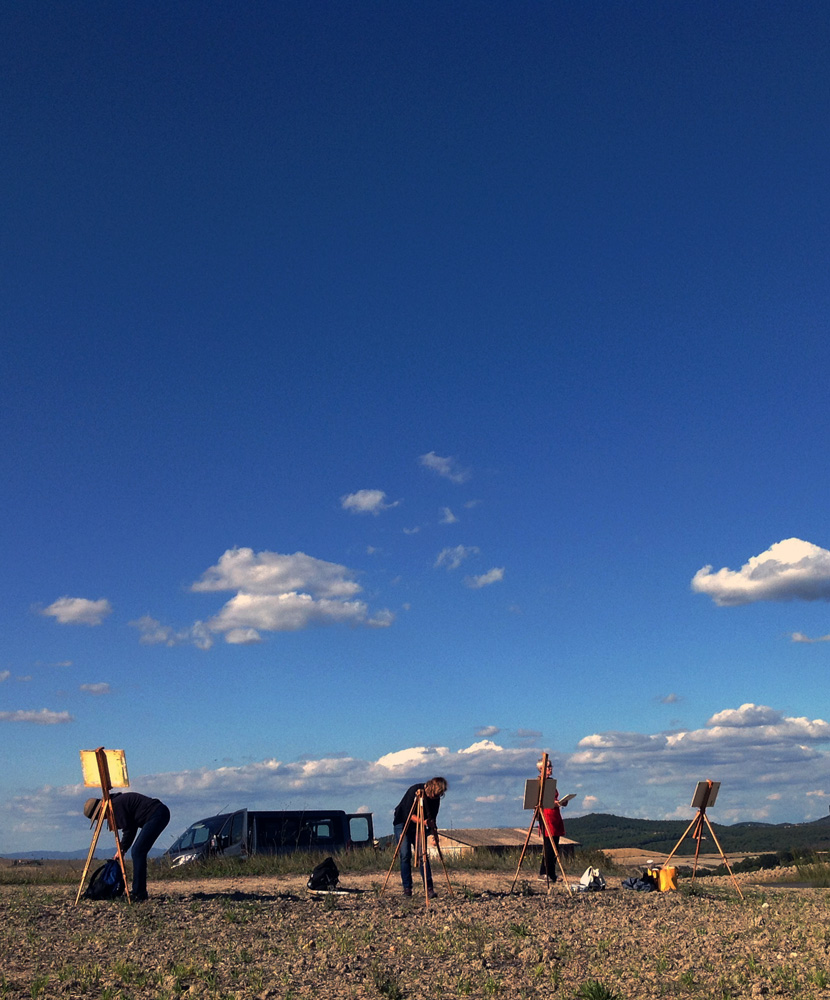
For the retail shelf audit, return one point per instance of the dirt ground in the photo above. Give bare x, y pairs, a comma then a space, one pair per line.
249, 937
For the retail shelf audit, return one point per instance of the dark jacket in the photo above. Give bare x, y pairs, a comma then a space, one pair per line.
404, 808
131, 813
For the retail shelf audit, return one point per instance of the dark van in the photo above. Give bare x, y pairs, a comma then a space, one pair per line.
247, 831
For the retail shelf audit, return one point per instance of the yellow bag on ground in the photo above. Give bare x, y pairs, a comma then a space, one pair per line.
667, 879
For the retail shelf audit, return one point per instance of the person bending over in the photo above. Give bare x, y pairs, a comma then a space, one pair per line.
140, 820
433, 793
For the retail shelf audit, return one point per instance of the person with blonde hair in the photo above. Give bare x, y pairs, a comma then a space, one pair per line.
405, 823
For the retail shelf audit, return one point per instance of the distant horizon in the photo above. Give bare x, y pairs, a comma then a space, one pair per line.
157, 852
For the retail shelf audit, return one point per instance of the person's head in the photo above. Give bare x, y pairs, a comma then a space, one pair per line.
91, 807
435, 788
539, 764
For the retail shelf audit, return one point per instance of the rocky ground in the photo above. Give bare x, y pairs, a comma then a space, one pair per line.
264, 938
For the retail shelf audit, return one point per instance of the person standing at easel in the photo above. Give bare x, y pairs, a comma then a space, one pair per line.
433, 792
141, 821
553, 820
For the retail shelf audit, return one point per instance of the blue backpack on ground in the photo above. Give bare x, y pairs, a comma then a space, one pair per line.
106, 882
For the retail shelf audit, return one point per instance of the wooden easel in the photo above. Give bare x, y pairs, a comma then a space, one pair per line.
539, 815
105, 812
419, 861
705, 795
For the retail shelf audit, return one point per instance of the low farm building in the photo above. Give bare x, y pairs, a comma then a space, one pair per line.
496, 839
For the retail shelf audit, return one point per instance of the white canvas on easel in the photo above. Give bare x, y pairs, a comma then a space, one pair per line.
705, 794
540, 794
531, 799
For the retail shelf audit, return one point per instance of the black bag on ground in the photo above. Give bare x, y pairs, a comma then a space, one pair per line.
324, 876
106, 882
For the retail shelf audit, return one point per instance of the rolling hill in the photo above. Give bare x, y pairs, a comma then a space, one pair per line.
605, 831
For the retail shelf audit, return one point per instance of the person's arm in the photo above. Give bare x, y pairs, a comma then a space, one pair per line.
125, 821
431, 807
127, 839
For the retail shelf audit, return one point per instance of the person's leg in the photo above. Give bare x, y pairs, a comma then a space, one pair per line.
553, 868
405, 855
548, 865
147, 836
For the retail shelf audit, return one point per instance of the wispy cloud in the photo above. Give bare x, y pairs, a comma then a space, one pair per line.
5, 675
96, 689
447, 516
800, 637
453, 557
78, 611
45, 717
366, 502
446, 467
789, 570
494, 575
153, 633
669, 699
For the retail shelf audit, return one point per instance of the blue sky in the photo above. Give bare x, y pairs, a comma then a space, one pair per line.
378, 383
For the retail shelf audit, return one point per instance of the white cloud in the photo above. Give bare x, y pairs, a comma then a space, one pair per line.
753, 750
670, 699
771, 766
5, 675
366, 502
96, 689
487, 731
78, 611
789, 570
453, 557
494, 575
284, 613
242, 636
45, 717
274, 593
446, 467
53, 815
413, 758
447, 516
271, 573
800, 637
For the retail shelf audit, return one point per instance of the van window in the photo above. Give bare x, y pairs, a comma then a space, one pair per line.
236, 830
359, 829
196, 835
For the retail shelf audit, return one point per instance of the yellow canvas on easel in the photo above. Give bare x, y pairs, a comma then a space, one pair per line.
104, 769
116, 766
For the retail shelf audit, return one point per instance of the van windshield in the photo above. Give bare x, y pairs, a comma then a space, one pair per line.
198, 834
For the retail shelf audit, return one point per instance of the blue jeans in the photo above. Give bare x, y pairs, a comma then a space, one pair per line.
407, 847
147, 836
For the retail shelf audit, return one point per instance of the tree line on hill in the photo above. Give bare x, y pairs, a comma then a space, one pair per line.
604, 831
